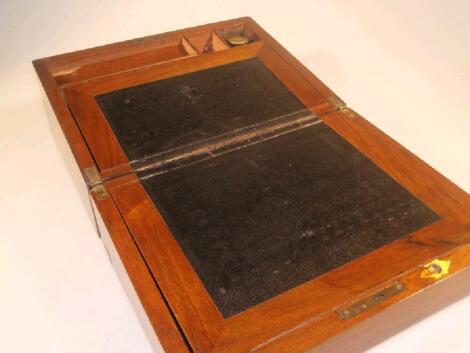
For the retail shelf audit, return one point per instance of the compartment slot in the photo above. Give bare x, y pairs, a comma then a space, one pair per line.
179, 49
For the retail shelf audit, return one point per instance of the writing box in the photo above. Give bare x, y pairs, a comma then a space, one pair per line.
244, 206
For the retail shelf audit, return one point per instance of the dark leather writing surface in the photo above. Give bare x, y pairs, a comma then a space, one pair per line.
159, 116
263, 219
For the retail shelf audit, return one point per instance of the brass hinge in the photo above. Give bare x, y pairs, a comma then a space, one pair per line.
337, 102
92, 176
342, 107
95, 183
100, 191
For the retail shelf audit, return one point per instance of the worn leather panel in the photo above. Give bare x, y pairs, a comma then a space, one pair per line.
263, 219
159, 116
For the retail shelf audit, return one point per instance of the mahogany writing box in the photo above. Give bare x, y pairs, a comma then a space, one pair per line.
245, 207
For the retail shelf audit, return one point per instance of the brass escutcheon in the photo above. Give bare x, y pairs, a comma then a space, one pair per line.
436, 269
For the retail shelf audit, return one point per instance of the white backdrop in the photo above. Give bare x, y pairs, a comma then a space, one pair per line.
404, 65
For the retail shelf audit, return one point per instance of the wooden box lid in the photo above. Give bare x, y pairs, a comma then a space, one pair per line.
195, 89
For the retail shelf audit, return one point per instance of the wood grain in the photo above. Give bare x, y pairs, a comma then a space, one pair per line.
70, 129
120, 64
421, 298
128, 256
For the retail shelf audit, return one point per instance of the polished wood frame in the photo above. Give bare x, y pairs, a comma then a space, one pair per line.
302, 318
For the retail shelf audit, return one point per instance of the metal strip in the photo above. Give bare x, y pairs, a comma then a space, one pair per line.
365, 304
